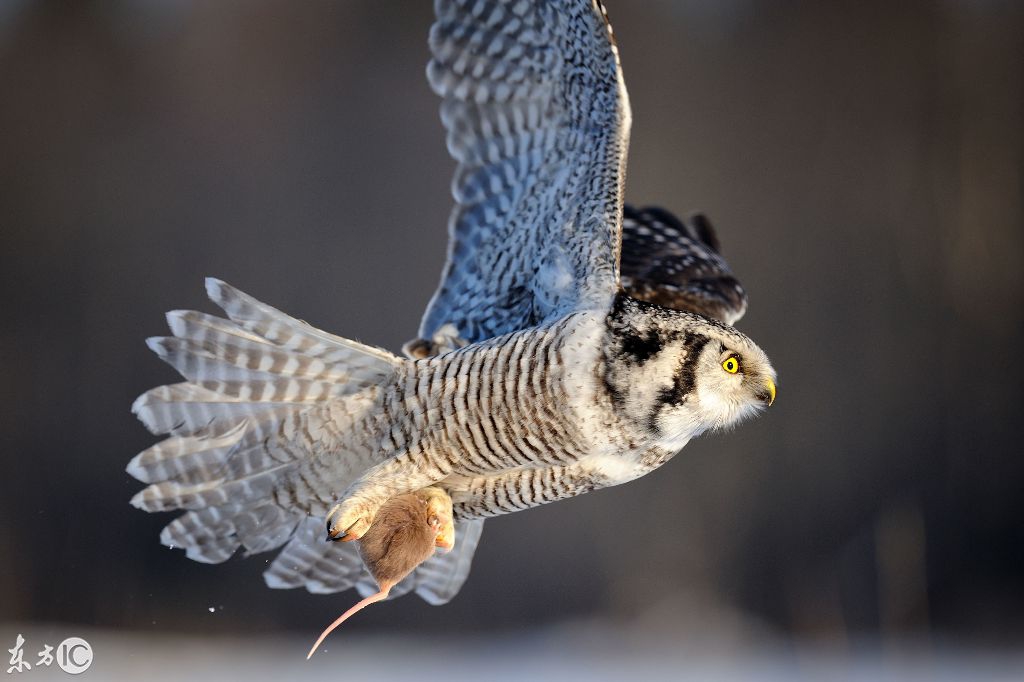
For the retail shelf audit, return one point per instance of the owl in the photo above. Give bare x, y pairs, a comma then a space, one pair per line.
573, 343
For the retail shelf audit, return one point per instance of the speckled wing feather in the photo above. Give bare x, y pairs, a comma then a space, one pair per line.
312, 561
678, 265
538, 120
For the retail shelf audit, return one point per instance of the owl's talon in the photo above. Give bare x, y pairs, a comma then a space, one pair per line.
445, 339
347, 522
334, 537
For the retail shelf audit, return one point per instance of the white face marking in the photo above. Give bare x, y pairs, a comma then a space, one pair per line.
723, 399
680, 395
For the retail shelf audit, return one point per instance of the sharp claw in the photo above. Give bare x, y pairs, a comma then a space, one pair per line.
348, 521
332, 533
350, 532
347, 535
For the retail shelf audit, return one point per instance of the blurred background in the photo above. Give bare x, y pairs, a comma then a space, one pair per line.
863, 165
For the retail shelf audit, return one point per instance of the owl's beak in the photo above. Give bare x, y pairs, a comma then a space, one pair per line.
769, 397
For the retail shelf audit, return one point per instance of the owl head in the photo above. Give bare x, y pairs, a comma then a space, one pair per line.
678, 374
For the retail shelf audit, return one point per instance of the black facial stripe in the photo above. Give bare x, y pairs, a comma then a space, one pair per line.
686, 377
642, 347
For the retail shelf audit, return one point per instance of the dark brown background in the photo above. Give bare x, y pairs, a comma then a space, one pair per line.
863, 164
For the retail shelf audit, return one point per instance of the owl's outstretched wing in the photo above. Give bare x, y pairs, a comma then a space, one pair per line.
538, 120
677, 264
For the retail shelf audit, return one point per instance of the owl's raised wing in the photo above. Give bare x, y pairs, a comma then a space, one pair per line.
538, 120
677, 264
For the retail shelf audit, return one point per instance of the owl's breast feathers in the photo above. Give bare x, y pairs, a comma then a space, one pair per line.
524, 399
541, 397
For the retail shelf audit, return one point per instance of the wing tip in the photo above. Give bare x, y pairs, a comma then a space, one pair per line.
213, 284
137, 470
143, 408
176, 320
139, 500
219, 291
275, 581
158, 344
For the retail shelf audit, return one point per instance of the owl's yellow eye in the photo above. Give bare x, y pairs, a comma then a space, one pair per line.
731, 365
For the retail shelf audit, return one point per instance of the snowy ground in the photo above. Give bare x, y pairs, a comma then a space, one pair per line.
561, 654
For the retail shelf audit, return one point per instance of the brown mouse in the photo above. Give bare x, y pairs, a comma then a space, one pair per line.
404, 533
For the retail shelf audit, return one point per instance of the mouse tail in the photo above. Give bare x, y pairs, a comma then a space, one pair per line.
358, 606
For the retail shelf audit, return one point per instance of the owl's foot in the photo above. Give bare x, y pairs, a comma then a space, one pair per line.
445, 339
354, 514
349, 521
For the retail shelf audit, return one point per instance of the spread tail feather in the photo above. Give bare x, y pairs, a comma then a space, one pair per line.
263, 430
263, 436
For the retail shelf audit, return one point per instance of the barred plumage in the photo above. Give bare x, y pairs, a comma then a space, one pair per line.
515, 378
538, 376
